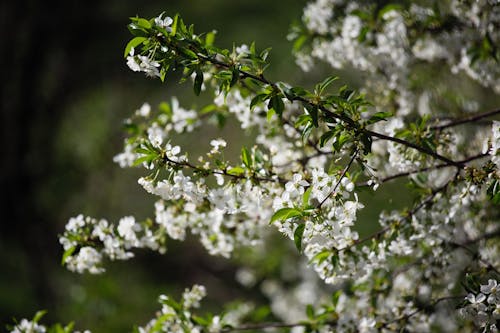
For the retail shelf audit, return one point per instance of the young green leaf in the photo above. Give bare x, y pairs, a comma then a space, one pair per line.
276, 103
285, 214
297, 236
326, 82
258, 99
67, 254
310, 311
133, 43
236, 171
39, 315
378, 117
198, 82
246, 158
175, 24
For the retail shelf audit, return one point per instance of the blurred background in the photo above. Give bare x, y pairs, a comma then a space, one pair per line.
65, 92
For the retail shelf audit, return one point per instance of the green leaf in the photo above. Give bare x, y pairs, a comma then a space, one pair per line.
157, 327
297, 236
321, 256
493, 192
175, 24
326, 82
285, 214
210, 38
134, 42
143, 23
190, 54
39, 315
313, 112
57, 328
198, 82
246, 158
170, 302
270, 114
325, 138
310, 311
303, 119
335, 297
388, 8
378, 117
305, 197
258, 99
144, 159
276, 103
69, 328
235, 75
67, 254
165, 108
299, 91
345, 93
342, 139
297, 45
200, 320
367, 143
236, 171
335, 260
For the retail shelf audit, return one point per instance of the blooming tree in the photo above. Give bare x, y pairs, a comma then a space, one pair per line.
419, 114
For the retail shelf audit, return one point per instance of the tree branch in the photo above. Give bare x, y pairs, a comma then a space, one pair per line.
429, 168
260, 78
468, 119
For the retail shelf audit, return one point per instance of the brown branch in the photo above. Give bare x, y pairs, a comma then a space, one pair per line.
429, 168
223, 172
260, 78
468, 119
416, 147
354, 155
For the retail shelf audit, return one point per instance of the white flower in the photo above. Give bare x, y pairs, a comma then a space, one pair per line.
87, 259
242, 50
132, 63
490, 288
191, 297
127, 228
26, 326
127, 157
164, 22
144, 110
156, 135
217, 144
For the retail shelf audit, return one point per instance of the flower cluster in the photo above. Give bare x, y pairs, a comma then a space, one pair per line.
87, 241
483, 308
33, 326
177, 317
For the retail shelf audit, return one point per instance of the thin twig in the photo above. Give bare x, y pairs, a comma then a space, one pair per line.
341, 177
260, 78
468, 119
429, 168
